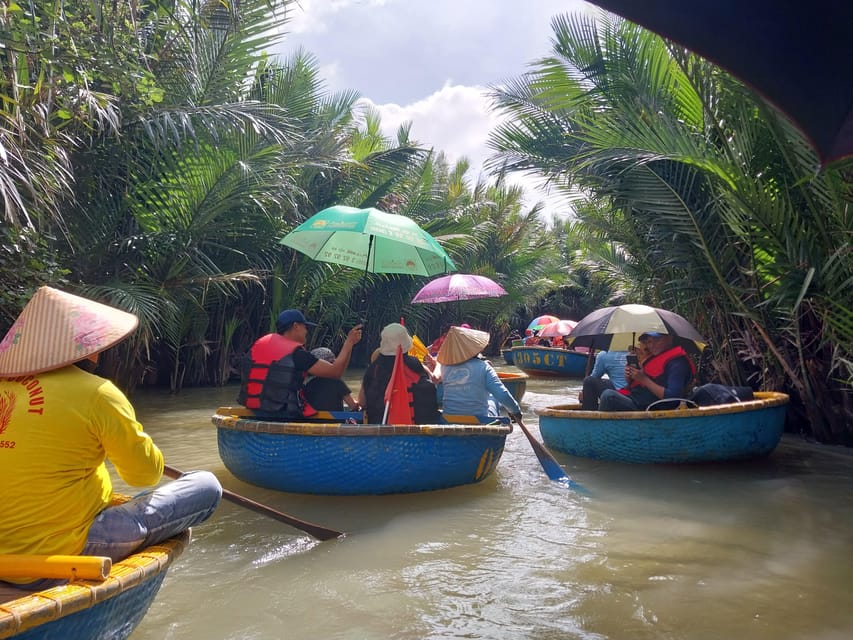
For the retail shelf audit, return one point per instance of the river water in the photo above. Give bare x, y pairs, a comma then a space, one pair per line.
758, 550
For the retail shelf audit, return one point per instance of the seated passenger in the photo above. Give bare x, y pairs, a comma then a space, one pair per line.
328, 394
471, 385
273, 371
62, 423
667, 373
531, 338
613, 364
378, 374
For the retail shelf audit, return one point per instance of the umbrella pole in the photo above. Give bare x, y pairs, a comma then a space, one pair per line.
589, 358
362, 302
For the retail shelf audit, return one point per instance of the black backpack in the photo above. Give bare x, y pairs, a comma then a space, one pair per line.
711, 393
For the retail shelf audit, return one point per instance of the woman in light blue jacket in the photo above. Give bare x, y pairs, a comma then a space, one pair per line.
471, 385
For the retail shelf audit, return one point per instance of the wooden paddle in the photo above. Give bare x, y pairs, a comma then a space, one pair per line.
548, 462
321, 533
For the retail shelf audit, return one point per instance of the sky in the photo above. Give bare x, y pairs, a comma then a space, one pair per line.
430, 62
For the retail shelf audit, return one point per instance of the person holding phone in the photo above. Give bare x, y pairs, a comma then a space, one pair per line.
666, 373
609, 363
273, 372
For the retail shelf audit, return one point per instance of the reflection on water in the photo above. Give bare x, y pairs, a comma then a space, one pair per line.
755, 550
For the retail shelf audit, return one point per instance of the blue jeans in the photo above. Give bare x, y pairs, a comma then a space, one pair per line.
592, 390
611, 400
154, 515
150, 517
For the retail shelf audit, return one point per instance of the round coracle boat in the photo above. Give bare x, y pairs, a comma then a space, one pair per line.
92, 609
733, 431
515, 383
349, 458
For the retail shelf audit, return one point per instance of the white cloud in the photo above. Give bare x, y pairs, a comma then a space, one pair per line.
312, 16
455, 120
429, 62
458, 120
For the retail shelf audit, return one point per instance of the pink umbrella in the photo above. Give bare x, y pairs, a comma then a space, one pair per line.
458, 286
559, 328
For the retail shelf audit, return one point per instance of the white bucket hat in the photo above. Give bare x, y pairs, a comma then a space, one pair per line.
56, 329
392, 336
461, 345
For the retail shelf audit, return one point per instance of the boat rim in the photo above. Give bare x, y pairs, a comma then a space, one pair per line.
762, 400
255, 425
36, 608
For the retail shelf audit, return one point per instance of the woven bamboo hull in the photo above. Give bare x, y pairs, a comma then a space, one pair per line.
93, 610
547, 362
707, 434
515, 383
507, 354
344, 459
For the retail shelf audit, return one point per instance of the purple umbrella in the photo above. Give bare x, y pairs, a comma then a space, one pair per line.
458, 286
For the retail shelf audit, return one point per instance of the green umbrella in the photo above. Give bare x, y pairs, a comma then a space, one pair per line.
369, 239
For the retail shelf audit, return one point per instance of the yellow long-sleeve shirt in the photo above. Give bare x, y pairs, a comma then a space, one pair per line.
56, 429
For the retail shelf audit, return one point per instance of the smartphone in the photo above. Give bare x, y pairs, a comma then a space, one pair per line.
633, 361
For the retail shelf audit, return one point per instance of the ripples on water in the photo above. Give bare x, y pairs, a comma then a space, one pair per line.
750, 550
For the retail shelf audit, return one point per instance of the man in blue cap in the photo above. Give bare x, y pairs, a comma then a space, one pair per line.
667, 373
273, 371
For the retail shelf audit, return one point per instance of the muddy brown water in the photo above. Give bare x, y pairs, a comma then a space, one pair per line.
759, 550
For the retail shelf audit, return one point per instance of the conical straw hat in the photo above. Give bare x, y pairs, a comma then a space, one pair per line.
461, 345
56, 329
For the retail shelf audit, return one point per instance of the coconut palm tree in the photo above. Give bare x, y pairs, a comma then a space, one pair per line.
710, 195
181, 211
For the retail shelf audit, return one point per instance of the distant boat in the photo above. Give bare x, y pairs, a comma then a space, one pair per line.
506, 352
516, 383
95, 610
550, 362
335, 457
733, 431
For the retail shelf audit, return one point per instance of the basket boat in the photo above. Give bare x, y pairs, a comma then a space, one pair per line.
515, 383
334, 457
91, 609
550, 362
733, 431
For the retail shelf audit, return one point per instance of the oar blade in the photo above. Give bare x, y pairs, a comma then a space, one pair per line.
549, 463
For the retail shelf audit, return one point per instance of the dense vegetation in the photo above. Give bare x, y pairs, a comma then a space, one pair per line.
152, 156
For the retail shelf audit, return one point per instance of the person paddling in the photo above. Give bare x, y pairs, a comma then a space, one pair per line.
471, 386
58, 425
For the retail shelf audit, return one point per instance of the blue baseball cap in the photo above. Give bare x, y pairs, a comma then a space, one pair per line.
651, 334
289, 316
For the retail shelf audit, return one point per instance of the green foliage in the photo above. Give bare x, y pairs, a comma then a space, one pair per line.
26, 263
159, 156
700, 198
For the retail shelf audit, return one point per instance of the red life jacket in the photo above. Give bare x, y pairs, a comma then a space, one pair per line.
270, 381
655, 368
420, 392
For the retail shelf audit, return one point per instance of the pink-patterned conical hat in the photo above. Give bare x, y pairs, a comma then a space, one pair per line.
56, 329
